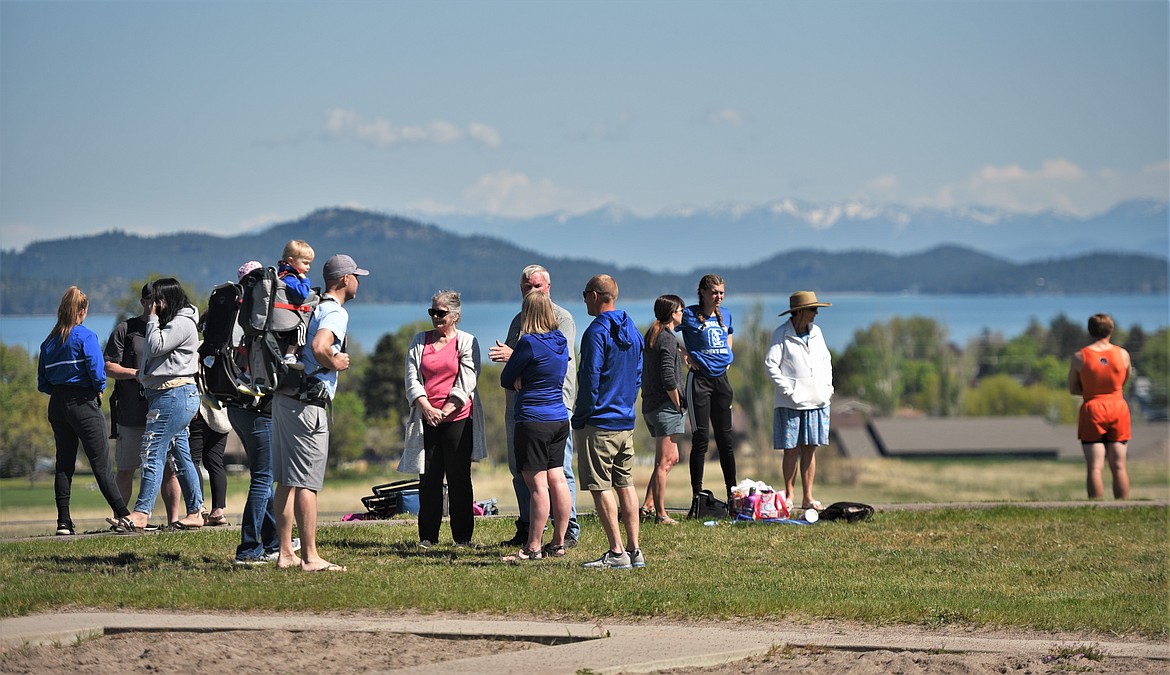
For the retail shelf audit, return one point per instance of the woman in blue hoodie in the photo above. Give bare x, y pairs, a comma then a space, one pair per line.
72, 372
536, 371
168, 370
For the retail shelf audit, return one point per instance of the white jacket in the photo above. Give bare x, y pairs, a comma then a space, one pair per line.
413, 457
802, 374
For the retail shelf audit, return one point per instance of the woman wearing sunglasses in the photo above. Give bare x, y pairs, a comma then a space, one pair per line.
445, 431
801, 370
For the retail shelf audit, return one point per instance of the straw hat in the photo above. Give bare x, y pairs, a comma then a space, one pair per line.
803, 300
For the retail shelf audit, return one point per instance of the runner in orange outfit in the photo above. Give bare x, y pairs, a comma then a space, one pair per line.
1097, 374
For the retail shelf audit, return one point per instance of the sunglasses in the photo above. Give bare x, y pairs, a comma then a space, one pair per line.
585, 293
438, 313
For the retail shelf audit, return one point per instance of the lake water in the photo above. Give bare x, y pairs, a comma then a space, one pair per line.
965, 316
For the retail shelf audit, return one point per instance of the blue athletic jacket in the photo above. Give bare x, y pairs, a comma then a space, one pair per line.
609, 373
540, 361
76, 363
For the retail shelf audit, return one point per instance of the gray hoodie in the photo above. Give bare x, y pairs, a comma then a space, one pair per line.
170, 352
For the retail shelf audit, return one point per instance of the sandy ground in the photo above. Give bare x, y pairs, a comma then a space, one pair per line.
357, 652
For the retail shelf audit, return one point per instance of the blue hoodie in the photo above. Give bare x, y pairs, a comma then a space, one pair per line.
540, 361
609, 373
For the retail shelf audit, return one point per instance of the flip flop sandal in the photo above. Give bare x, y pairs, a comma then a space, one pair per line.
214, 521
523, 555
551, 550
814, 504
122, 525
182, 527
665, 520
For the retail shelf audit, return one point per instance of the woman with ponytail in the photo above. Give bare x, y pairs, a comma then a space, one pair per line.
72, 372
662, 404
706, 329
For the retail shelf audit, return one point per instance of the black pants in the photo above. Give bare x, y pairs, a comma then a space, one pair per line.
447, 449
709, 407
208, 446
76, 417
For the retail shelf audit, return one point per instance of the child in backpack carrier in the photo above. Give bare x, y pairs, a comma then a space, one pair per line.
293, 270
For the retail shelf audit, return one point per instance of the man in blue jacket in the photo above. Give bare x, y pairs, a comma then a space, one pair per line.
609, 375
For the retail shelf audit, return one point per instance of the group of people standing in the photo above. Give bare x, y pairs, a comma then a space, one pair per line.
555, 410
559, 403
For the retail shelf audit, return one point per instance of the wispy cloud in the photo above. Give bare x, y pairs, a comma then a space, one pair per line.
341, 123
725, 117
1057, 184
609, 131
514, 194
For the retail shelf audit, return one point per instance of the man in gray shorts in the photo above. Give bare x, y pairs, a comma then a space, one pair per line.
300, 423
609, 375
128, 409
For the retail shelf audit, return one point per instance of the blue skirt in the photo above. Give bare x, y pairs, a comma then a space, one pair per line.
793, 428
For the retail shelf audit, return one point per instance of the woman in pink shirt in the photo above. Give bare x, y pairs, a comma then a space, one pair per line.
445, 431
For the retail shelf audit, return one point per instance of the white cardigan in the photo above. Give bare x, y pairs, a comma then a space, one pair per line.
413, 457
802, 374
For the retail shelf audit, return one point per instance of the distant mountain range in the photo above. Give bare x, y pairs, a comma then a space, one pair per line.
686, 238
410, 261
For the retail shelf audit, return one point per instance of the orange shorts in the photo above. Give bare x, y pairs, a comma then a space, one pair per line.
1105, 418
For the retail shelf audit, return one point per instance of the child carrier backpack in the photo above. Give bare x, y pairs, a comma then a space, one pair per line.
222, 364
271, 324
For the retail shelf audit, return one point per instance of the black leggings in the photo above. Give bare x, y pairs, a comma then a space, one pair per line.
709, 408
207, 446
447, 449
76, 417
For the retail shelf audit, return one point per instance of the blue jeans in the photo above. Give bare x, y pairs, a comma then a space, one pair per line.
171, 410
524, 497
258, 526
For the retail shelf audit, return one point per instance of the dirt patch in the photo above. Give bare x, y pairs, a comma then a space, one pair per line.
215, 653
802, 660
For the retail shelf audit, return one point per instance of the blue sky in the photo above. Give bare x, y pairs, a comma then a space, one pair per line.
220, 117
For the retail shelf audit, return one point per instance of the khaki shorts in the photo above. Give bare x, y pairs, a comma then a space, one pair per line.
128, 452
605, 458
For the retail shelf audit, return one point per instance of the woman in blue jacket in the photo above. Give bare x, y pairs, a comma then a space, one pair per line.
72, 372
536, 371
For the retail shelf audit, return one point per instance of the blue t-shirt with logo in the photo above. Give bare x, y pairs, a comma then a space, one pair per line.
706, 341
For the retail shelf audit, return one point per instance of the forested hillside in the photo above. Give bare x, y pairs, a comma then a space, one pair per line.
409, 259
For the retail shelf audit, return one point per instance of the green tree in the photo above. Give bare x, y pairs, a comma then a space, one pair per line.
25, 434
347, 429
1003, 395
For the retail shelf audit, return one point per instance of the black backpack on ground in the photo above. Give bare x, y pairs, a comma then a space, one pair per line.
705, 505
850, 512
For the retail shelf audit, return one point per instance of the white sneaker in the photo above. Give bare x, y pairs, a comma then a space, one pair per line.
275, 555
636, 558
610, 561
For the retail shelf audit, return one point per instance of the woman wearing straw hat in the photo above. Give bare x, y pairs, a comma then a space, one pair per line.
802, 371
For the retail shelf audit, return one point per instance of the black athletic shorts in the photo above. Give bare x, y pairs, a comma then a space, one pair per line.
540, 446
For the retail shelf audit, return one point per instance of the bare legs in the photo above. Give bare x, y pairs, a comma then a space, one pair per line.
1096, 454
548, 491
299, 504
607, 514
808, 469
665, 457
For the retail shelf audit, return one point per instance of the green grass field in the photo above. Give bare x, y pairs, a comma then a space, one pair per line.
1074, 568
